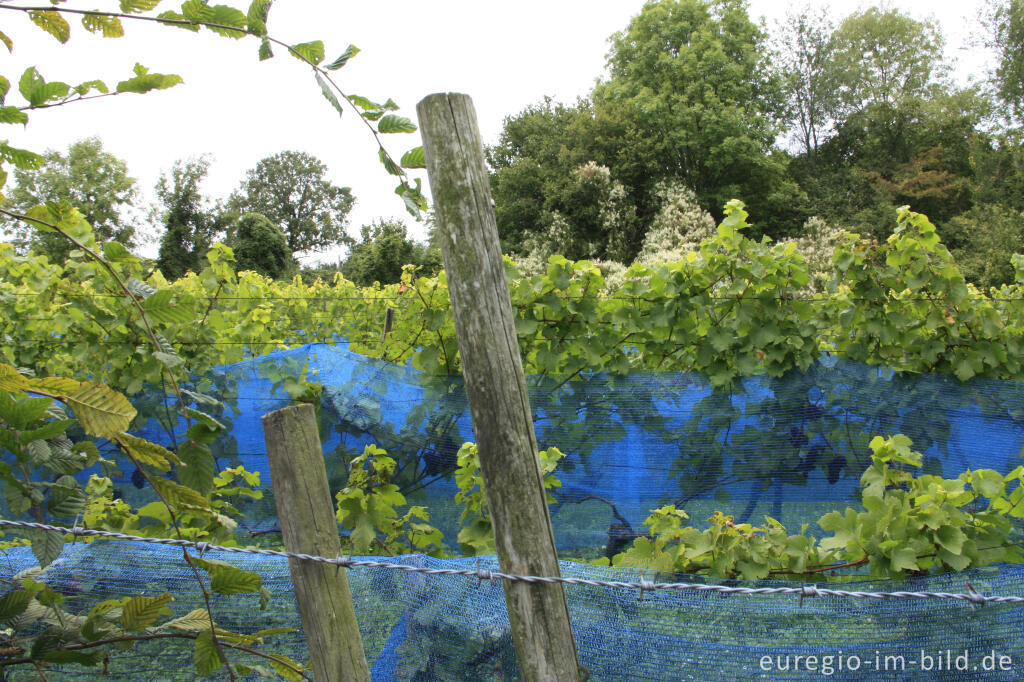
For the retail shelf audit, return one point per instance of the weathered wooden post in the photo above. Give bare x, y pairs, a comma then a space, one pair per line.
496, 386
305, 511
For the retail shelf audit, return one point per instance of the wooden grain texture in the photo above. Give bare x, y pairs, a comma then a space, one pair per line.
305, 511
495, 386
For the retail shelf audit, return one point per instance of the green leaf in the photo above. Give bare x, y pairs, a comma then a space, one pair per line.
12, 115
204, 419
310, 52
350, 51
67, 499
147, 453
22, 158
227, 16
46, 545
197, 11
109, 26
178, 20
141, 612
206, 657
53, 23
37, 91
169, 360
145, 81
389, 165
325, 88
85, 658
904, 560
13, 604
228, 579
199, 469
11, 380
138, 6
182, 498
257, 16
396, 124
414, 158
6, 41
988, 482
101, 412
265, 50
278, 661
193, 621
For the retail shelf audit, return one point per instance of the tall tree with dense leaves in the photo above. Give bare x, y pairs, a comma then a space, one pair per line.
291, 189
260, 246
191, 222
691, 85
804, 56
92, 180
1004, 20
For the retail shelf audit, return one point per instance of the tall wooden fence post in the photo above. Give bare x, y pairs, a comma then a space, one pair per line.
305, 511
496, 386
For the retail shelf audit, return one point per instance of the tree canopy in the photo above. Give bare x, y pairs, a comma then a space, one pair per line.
191, 221
291, 189
92, 180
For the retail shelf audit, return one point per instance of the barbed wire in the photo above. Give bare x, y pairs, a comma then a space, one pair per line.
971, 597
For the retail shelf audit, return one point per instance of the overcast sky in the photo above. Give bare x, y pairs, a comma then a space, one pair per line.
238, 110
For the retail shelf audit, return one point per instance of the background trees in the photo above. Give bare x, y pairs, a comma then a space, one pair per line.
261, 246
382, 251
90, 179
291, 190
191, 221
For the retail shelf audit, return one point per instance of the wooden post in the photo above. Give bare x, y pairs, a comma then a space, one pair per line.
496, 387
305, 511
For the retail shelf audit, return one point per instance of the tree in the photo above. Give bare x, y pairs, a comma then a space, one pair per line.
884, 58
1004, 20
384, 248
260, 246
804, 56
92, 180
690, 81
291, 190
191, 223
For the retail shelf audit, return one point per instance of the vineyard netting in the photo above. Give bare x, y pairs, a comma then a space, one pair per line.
791, 448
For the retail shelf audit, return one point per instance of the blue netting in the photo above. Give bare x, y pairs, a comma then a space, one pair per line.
791, 447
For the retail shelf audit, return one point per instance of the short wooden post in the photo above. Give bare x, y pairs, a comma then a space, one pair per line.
496, 387
305, 511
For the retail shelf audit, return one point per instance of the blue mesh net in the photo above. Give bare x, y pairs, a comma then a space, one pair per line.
792, 448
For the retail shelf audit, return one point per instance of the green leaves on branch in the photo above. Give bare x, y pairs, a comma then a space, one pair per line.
350, 51
396, 124
143, 81
312, 52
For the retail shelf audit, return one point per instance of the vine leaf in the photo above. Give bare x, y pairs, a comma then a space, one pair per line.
53, 23
141, 612
312, 52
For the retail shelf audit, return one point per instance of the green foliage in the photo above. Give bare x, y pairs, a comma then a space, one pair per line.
366, 507
383, 252
292, 191
260, 245
911, 523
476, 536
93, 181
190, 224
1004, 20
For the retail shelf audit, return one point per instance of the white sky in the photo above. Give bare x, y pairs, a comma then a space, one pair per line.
505, 55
